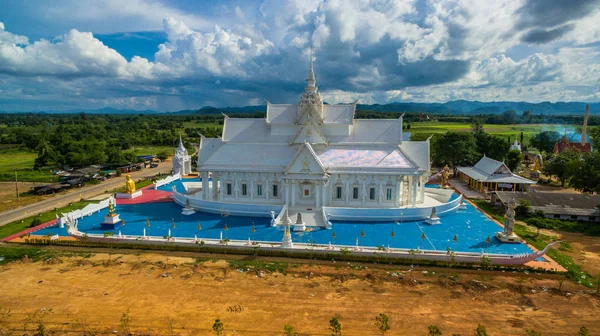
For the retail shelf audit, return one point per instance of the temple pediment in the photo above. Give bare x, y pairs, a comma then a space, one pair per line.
310, 133
305, 161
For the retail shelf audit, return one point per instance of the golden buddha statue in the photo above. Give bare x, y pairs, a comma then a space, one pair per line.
111, 209
129, 185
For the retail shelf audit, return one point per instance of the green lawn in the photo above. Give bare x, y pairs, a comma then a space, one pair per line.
22, 161
151, 150
529, 130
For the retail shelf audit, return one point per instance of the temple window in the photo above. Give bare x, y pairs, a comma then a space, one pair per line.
388, 194
275, 190
371, 193
355, 192
244, 189
338, 192
229, 189
259, 190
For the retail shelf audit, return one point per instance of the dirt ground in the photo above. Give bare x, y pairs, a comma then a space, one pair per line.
585, 250
167, 295
8, 195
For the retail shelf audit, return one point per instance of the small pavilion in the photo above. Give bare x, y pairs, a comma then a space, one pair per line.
491, 175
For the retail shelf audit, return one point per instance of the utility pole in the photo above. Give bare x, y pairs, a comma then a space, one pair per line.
17, 186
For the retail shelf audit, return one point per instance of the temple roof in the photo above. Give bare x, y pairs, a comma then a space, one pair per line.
490, 170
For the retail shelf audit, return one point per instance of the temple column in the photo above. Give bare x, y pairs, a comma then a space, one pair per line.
251, 186
347, 191
397, 183
323, 186
293, 192
287, 192
363, 191
215, 187
318, 194
222, 188
236, 186
380, 192
204, 185
267, 188
413, 196
423, 181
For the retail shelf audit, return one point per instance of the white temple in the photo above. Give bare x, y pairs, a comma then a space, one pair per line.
312, 154
182, 162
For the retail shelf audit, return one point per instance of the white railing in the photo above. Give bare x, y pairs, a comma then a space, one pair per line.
279, 217
86, 211
325, 219
167, 180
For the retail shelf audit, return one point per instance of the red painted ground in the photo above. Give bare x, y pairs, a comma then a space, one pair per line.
149, 195
30, 230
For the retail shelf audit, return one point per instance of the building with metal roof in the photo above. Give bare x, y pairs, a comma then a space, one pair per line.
491, 175
566, 206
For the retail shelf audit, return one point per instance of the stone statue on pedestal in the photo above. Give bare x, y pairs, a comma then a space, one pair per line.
507, 235
509, 218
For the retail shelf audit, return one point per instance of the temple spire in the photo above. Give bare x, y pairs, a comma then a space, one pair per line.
311, 81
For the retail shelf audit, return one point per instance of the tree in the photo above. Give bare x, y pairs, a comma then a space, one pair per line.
523, 208
594, 133
382, 322
563, 165
492, 146
583, 331
477, 125
218, 327
480, 331
526, 118
531, 332
545, 141
509, 117
162, 155
586, 173
434, 330
288, 330
456, 148
514, 159
335, 327
45, 154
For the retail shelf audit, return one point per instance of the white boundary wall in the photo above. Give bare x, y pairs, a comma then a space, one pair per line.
233, 209
167, 180
389, 214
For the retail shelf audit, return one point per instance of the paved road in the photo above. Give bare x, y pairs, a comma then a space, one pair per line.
85, 192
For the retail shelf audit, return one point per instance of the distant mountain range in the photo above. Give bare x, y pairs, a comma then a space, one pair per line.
455, 107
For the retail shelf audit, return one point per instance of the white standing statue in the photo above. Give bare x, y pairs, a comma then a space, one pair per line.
507, 235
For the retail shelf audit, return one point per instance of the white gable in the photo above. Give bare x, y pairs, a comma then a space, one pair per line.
305, 161
309, 133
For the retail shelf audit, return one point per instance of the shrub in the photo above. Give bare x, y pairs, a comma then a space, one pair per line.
35, 222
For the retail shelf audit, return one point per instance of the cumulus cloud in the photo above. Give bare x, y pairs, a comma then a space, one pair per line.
374, 51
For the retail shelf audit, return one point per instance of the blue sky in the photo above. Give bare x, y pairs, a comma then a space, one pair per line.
169, 55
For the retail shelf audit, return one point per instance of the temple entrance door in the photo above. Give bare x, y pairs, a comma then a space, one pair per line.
307, 194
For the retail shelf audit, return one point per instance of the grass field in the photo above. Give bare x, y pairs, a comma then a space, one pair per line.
22, 161
151, 150
514, 131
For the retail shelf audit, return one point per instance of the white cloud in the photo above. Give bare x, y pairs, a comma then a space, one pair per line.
366, 50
